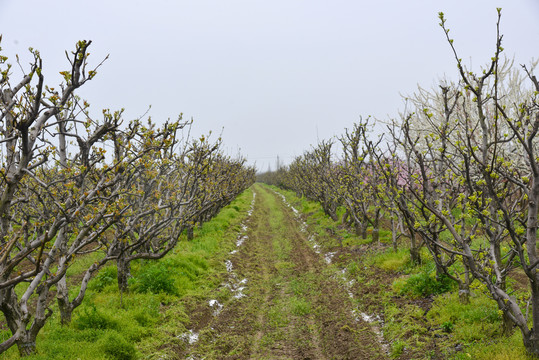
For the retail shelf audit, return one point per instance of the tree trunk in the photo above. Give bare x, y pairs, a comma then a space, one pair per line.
464, 286
332, 214
345, 216
62, 290
439, 272
190, 233
124, 273
508, 325
12, 314
531, 343
376, 227
375, 235
363, 229
415, 254
464, 292
7, 344
394, 234
438, 261
26, 344
65, 307
531, 338
358, 228
17, 320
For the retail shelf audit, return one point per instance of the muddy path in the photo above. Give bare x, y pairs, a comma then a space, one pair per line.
280, 299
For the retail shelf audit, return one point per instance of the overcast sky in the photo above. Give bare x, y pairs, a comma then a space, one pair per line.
272, 76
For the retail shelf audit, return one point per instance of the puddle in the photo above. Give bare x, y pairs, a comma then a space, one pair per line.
374, 321
242, 234
303, 228
237, 287
376, 325
294, 210
216, 306
190, 337
329, 256
241, 240
316, 246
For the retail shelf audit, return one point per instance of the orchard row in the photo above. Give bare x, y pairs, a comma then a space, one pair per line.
457, 172
72, 186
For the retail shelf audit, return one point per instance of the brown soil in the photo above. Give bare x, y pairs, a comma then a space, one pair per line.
377, 284
295, 307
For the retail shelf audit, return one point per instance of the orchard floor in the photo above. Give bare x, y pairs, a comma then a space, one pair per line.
282, 299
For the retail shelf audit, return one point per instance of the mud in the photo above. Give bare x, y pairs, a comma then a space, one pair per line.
294, 303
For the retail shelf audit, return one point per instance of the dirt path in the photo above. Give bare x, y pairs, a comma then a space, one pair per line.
281, 299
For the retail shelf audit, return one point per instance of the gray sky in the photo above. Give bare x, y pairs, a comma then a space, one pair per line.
272, 76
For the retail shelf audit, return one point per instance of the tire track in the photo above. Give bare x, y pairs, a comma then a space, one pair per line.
293, 308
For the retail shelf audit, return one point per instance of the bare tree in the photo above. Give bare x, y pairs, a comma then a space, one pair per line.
116, 182
62, 196
173, 191
496, 191
361, 190
314, 175
35, 212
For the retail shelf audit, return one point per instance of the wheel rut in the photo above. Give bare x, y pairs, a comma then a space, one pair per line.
294, 306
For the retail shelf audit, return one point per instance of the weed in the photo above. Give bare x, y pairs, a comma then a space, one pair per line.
145, 319
354, 268
277, 317
283, 266
479, 320
299, 287
300, 307
397, 348
401, 321
116, 347
155, 278
142, 318
393, 261
424, 284
447, 327
91, 318
104, 278
509, 348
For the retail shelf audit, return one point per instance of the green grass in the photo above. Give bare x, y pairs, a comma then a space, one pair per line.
392, 261
397, 348
299, 306
422, 284
509, 348
478, 321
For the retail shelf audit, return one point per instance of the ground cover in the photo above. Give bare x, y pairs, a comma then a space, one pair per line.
272, 277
